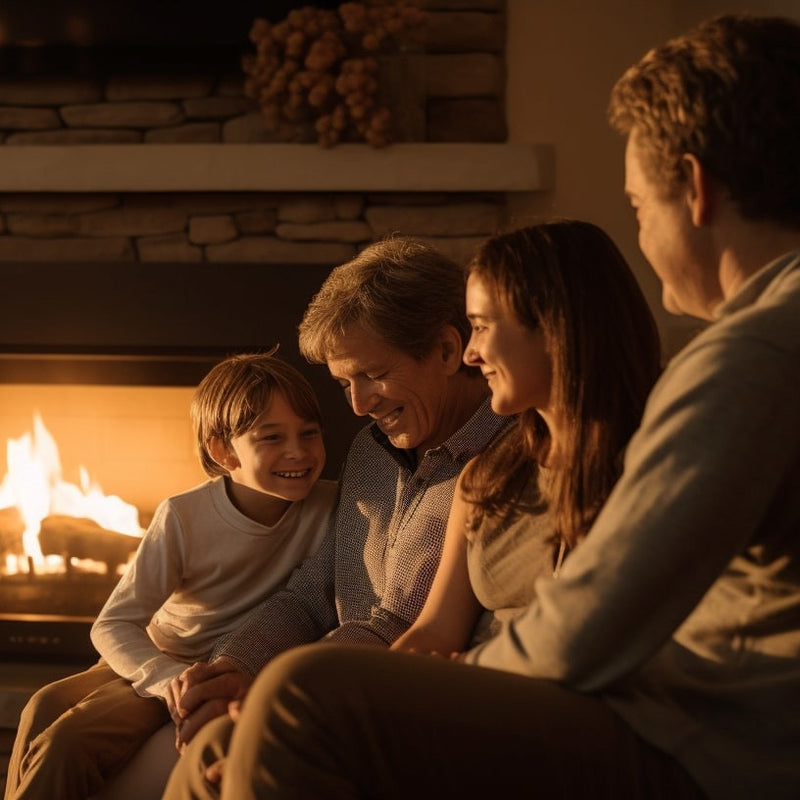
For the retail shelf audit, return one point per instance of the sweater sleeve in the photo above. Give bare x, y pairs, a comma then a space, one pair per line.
715, 445
120, 631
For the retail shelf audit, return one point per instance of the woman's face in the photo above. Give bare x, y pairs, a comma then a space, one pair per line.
511, 356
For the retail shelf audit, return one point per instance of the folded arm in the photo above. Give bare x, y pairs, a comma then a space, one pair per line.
119, 633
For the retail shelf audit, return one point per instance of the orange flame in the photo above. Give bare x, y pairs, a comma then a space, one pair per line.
34, 485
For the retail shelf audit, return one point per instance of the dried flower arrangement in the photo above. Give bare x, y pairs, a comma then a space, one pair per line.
318, 69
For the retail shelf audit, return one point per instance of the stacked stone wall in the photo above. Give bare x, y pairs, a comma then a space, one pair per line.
283, 228
463, 84
464, 79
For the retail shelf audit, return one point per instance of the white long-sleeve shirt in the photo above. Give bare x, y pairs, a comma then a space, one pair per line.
681, 609
200, 569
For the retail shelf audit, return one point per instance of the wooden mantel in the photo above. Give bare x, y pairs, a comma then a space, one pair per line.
276, 167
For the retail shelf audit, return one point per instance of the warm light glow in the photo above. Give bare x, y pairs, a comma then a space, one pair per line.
34, 485
78, 30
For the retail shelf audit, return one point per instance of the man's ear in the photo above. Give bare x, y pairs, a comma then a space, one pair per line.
701, 191
222, 453
451, 349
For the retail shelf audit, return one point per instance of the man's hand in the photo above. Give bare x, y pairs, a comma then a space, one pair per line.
215, 771
202, 692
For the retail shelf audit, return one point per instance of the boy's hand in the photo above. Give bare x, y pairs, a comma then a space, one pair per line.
203, 692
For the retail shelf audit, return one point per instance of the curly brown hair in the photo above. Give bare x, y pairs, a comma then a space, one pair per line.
728, 93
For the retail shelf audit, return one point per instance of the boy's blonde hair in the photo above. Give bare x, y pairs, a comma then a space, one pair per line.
235, 393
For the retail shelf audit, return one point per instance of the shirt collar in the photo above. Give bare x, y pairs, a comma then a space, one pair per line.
405, 458
471, 437
756, 285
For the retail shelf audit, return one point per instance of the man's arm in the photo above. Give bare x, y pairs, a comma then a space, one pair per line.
719, 435
303, 611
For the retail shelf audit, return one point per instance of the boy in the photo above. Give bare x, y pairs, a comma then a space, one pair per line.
209, 556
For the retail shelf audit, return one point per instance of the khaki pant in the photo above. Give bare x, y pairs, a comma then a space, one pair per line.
77, 733
324, 722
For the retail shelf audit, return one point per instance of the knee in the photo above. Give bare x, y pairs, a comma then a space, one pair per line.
210, 743
309, 684
299, 720
308, 669
61, 738
42, 710
209, 746
57, 745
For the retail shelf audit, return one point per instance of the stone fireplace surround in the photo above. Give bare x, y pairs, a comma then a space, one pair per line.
159, 166
141, 178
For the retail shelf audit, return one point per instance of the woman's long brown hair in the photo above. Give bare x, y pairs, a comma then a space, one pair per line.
569, 279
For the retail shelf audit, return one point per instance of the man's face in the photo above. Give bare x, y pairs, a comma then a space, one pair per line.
407, 398
669, 240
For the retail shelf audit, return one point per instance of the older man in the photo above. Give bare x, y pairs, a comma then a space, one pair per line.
664, 662
391, 327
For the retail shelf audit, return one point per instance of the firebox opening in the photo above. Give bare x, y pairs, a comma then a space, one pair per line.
108, 355
158, 324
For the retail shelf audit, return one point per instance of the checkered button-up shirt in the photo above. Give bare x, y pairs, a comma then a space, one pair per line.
369, 579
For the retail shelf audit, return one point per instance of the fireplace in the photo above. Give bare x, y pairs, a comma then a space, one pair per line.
108, 354
163, 175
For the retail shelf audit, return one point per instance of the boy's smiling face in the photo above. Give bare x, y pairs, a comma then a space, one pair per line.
280, 457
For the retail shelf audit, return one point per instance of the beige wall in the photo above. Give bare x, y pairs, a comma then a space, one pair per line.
689, 12
563, 58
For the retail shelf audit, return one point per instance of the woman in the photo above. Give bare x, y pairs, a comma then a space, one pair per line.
565, 340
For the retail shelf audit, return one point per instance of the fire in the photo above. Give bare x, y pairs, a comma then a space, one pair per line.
34, 485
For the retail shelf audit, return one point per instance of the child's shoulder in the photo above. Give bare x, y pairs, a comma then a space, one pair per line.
207, 486
321, 498
203, 492
324, 490
320, 502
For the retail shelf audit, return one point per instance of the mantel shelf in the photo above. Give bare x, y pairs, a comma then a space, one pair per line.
276, 167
